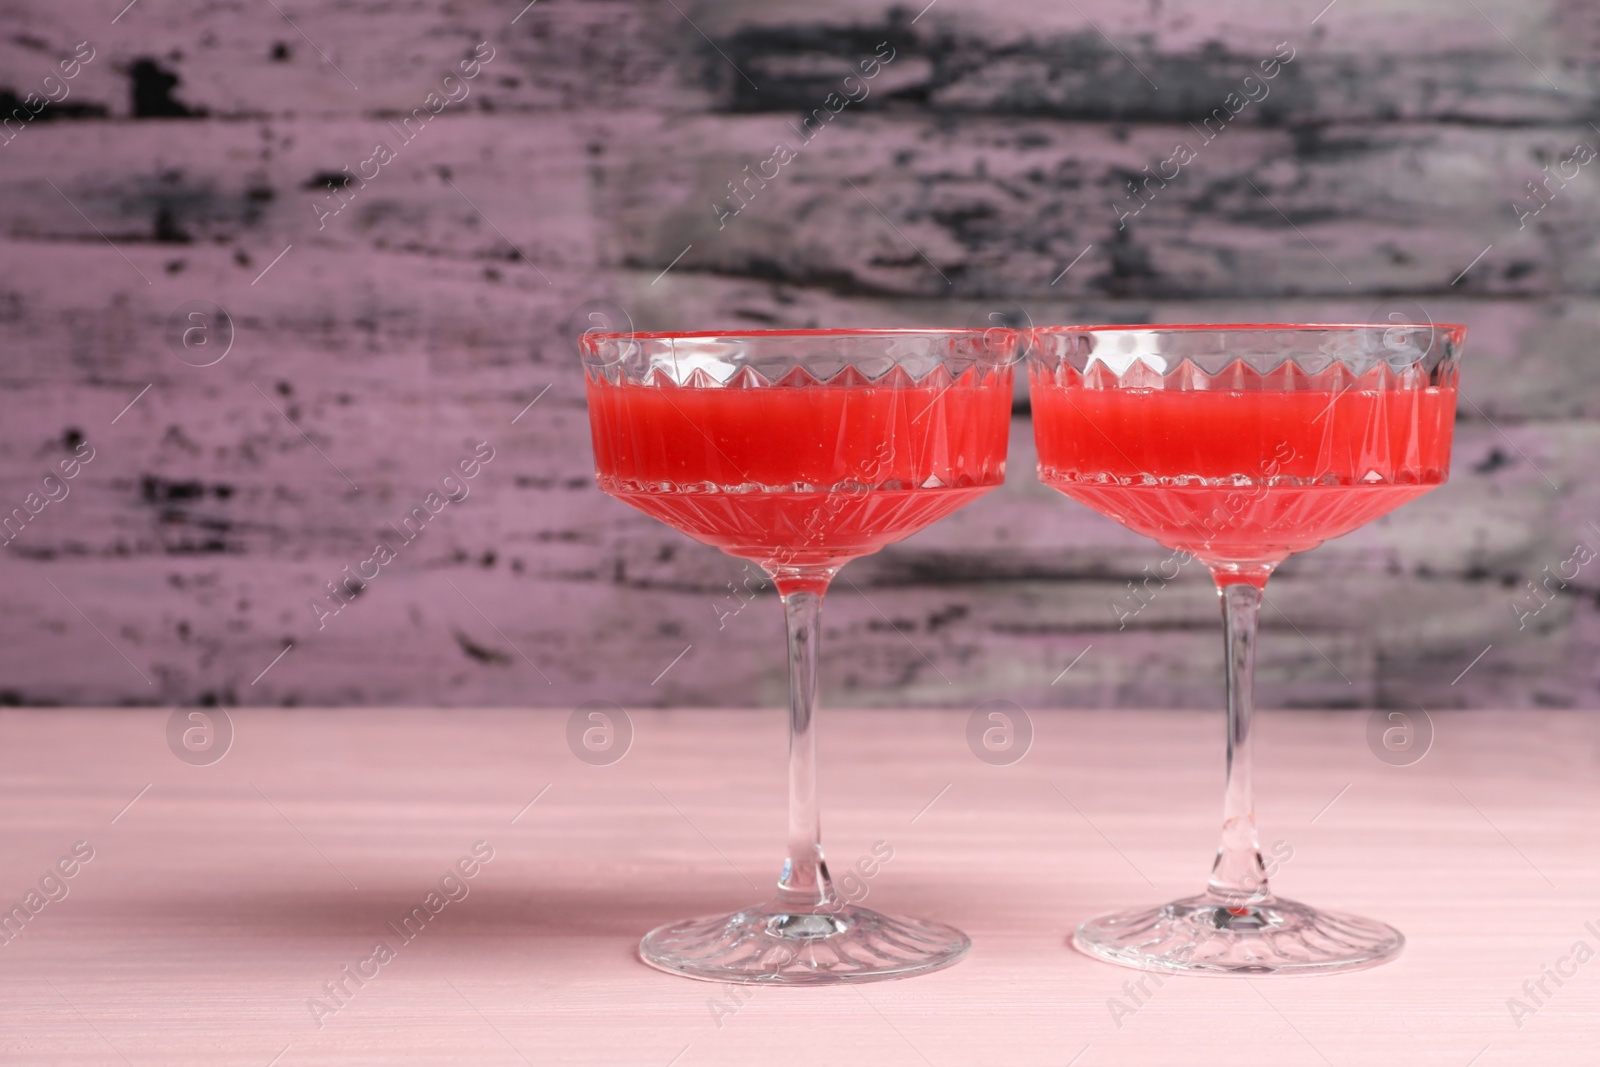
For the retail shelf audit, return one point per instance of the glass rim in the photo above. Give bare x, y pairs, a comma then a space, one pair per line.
867, 331
1219, 327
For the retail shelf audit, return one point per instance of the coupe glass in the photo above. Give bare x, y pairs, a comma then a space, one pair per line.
1238, 445
800, 450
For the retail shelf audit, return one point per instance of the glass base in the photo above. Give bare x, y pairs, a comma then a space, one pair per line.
1200, 935
774, 945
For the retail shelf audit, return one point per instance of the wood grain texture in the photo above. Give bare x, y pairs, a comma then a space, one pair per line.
221, 900
376, 346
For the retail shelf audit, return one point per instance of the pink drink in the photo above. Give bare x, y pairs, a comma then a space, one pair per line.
1243, 475
813, 474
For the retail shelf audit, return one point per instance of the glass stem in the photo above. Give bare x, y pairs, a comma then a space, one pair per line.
804, 882
1238, 877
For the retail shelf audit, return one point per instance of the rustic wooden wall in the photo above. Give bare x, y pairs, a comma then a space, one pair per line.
373, 348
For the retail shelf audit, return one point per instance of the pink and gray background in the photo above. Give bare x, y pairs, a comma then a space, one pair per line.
1385, 172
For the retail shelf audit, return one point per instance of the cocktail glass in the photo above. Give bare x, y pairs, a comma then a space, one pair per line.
1238, 445
800, 450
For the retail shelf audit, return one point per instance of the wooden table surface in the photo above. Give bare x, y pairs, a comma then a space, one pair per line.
219, 901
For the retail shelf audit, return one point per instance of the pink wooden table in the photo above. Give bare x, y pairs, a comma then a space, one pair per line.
220, 901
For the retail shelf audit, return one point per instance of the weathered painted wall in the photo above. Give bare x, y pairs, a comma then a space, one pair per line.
374, 347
